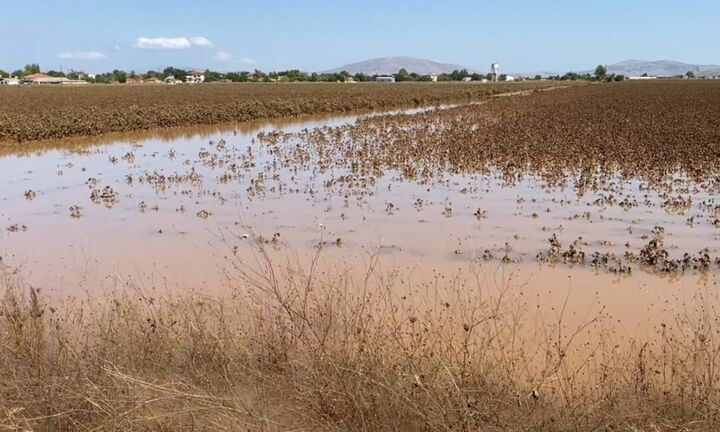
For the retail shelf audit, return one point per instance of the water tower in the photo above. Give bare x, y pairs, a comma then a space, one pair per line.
494, 72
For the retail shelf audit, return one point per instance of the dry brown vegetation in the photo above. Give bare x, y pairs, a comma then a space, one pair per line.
664, 135
648, 131
33, 113
300, 348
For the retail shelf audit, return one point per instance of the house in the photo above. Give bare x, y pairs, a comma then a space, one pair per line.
153, 80
385, 79
195, 77
467, 79
38, 78
433, 78
641, 77
509, 78
170, 79
43, 79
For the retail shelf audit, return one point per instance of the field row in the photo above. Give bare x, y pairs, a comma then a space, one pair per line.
29, 114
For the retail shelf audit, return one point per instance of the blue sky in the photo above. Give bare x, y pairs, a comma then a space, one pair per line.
523, 36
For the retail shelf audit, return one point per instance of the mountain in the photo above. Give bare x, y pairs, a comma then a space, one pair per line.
391, 65
661, 68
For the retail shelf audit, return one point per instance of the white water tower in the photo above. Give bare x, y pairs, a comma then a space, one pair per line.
494, 72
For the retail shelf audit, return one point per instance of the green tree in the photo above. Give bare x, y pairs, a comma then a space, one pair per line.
18, 73
402, 75
690, 74
179, 74
237, 76
538, 77
361, 77
213, 76
600, 72
3, 73
31, 68
119, 76
458, 75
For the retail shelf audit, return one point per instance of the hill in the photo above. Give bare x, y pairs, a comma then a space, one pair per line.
390, 65
661, 68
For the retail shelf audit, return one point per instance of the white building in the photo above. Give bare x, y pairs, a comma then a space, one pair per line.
467, 79
9, 81
509, 78
385, 79
195, 77
433, 78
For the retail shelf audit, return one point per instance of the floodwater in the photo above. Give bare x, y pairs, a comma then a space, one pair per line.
176, 208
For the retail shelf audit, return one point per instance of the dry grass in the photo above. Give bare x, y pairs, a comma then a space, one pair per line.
300, 348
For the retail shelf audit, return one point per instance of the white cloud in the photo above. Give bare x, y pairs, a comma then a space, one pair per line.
248, 61
82, 55
175, 43
222, 56
200, 41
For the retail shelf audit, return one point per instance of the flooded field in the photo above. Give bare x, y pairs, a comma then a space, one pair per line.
181, 208
541, 261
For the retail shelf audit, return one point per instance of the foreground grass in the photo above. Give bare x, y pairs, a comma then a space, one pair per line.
294, 349
29, 113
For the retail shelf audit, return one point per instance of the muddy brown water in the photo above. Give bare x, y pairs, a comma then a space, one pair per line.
178, 214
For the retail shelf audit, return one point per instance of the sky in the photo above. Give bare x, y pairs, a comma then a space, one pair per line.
313, 35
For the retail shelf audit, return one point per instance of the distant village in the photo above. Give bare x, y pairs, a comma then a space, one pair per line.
32, 74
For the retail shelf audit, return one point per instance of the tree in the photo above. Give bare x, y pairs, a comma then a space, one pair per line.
619, 77
458, 75
361, 77
402, 75
18, 73
237, 76
179, 74
538, 77
2, 73
213, 76
31, 68
119, 76
690, 74
600, 72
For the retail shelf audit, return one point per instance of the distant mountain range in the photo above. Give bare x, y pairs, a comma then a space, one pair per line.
662, 68
391, 65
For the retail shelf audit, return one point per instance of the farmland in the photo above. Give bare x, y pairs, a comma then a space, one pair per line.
541, 260
30, 114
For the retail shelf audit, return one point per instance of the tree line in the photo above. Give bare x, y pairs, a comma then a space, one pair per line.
294, 75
